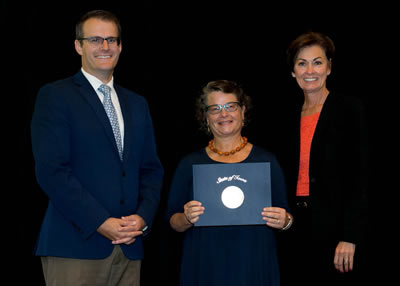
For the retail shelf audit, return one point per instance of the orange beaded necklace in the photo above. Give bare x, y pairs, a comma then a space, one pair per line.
237, 149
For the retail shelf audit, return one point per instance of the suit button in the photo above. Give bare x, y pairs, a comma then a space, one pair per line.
123, 174
77, 227
313, 180
122, 202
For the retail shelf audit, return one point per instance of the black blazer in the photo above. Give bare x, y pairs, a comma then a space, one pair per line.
338, 170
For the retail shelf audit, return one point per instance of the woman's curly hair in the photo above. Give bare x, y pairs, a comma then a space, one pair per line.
225, 86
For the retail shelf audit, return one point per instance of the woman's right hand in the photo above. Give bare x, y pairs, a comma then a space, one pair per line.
192, 211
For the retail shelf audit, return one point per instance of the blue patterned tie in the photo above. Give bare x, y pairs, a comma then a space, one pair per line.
112, 116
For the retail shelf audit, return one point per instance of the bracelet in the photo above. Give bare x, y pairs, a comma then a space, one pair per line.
289, 224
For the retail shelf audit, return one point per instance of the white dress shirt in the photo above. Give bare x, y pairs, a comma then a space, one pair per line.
95, 83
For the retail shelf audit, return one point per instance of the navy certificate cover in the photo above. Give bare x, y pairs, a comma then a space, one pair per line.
232, 194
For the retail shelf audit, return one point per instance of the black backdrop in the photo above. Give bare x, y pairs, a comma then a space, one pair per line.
169, 52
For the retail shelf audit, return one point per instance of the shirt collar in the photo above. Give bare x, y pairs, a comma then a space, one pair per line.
95, 82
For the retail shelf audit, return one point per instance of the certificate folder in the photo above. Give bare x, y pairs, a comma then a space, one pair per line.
232, 194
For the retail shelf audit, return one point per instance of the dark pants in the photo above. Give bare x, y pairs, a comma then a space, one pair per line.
306, 261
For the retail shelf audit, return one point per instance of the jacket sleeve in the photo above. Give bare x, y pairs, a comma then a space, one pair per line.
355, 203
51, 149
151, 174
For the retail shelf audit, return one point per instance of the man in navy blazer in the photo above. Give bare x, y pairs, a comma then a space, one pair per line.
99, 205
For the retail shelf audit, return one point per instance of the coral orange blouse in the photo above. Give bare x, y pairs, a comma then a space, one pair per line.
307, 128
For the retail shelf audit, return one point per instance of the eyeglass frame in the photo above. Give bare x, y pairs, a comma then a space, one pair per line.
224, 106
116, 39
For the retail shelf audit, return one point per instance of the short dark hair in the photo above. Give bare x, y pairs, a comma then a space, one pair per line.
98, 14
306, 40
225, 86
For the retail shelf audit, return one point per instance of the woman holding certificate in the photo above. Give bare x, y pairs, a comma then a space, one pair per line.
329, 202
234, 253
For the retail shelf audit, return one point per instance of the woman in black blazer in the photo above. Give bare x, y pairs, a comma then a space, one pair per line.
329, 177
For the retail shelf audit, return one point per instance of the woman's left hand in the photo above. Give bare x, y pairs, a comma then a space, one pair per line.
344, 256
275, 217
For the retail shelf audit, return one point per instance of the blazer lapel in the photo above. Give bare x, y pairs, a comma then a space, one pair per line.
90, 95
322, 121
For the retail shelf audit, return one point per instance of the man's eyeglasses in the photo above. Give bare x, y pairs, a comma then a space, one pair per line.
98, 41
229, 107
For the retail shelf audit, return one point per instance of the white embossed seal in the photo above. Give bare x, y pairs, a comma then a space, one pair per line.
232, 197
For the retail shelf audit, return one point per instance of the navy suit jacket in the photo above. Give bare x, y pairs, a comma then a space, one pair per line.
78, 167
